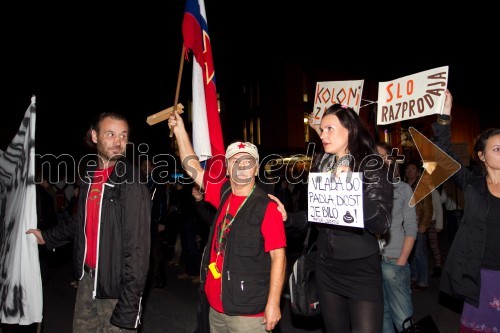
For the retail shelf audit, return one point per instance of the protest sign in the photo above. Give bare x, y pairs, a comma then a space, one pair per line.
334, 200
412, 96
333, 92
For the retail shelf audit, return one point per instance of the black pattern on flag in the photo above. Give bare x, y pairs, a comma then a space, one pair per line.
21, 300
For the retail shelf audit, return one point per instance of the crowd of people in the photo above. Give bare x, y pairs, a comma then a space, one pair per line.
233, 233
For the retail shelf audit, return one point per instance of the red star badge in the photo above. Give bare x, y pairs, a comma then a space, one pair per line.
241, 146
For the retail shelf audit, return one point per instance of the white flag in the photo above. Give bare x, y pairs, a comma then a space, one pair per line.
21, 299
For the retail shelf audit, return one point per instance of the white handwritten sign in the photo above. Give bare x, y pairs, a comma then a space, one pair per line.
333, 92
336, 201
412, 96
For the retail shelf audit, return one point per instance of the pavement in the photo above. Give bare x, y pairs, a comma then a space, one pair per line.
172, 309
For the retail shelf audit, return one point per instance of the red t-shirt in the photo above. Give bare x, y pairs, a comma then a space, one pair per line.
272, 230
93, 214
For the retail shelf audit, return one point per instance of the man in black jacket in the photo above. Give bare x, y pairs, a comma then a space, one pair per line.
111, 234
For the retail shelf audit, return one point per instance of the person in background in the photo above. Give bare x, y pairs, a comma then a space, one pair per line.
205, 214
157, 195
64, 195
472, 268
283, 193
399, 243
348, 267
187, 221
424, 209
243, 268
111, 232
435, 228
174, 218
299, 194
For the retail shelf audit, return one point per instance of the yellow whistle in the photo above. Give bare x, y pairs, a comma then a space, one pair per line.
215, 272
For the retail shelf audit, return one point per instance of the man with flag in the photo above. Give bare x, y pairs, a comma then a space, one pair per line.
243, 268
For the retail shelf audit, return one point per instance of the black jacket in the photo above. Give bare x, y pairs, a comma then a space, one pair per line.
347, 243
461, 273
124, 240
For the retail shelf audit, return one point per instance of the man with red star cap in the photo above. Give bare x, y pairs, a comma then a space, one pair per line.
243, 268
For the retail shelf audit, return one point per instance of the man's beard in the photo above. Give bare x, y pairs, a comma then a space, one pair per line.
116, 157
107, 155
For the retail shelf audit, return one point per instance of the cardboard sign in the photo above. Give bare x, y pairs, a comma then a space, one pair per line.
412, 96
333, 92
334, 200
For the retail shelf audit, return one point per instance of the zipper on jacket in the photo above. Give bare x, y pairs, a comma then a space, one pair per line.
94, 292
484, 237
138, 319
84, 231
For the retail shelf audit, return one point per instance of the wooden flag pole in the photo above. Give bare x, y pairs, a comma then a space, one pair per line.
177, 107
178, 88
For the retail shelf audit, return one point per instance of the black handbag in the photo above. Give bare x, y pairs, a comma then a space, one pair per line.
424, 325
302, 282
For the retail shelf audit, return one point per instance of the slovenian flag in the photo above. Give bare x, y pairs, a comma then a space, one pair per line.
207, 133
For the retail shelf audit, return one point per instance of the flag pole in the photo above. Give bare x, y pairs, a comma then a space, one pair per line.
178, 88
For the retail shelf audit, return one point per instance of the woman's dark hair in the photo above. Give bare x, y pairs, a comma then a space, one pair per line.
481, 140
360, 143
97, 123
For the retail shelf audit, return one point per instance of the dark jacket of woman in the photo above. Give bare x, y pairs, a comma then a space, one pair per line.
347, 243
461, 273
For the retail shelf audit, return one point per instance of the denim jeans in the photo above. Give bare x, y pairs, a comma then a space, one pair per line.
397, 295
419, 266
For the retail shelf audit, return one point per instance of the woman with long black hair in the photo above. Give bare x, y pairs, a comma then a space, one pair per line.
348, 269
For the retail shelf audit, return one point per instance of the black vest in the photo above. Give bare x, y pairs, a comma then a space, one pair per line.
246, 268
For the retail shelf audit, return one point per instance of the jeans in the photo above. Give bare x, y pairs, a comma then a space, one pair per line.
418, 265
397, 295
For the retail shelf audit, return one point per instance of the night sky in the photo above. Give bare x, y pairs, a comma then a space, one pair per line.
80, 61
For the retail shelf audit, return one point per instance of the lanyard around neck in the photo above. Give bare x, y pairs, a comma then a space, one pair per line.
225, 223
